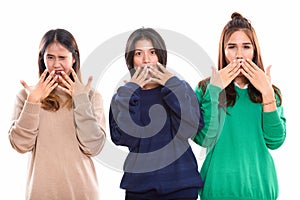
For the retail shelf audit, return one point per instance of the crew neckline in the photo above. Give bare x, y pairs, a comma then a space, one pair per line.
245, 87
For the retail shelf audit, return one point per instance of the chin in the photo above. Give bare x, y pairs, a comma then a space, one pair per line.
240, 75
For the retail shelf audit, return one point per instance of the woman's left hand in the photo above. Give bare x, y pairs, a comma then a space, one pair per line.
260, 80
74, 87
160, 74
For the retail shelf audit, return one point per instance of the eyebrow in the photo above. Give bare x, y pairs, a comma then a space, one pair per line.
144, 49
245, 43
48, 54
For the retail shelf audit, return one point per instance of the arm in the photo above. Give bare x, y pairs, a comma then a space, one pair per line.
181, 99
25, 121
89, 122
210, 111
124, 109
274, 127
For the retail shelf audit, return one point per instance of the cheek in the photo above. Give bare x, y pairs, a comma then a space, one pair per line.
137, 61
154, 59
230, 56
68, 65
48, 65
249, 54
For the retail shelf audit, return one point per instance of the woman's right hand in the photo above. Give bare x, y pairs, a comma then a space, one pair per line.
42, 89
223, 77
140, 76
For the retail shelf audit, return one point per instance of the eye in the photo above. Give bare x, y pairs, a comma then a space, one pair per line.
138, 53
49, 57
247, 46
62, 57
153, 52
230, 46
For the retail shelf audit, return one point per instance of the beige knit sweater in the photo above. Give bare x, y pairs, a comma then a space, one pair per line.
61, 145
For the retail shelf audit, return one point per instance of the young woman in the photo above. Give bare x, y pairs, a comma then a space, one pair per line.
154, 115
61, 122
243, 118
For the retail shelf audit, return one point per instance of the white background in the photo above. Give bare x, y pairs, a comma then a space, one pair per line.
23, 23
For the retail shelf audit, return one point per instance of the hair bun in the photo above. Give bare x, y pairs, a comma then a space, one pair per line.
236, 15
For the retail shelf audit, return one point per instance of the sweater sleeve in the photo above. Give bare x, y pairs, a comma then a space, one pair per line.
274, 127
24, 127
124, 110
182, 101
209, 107
89, 122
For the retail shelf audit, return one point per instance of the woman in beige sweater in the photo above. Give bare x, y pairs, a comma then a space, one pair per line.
61, 122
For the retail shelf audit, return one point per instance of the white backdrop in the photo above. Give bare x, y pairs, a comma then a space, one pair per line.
23, 23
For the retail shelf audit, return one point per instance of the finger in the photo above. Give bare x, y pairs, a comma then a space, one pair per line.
74, 75
136, 73
268, 70
231, 66
65, 83
89, 83
236, 73
156, 73
49, 78
53, 81
24, 84
65, 90
246, 75
213, 71
161, 67
143, 74
52, 87
43, 75
251, 64
248, 68
66, 78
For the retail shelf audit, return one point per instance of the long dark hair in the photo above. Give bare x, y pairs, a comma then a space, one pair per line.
66, 39
149, 34
228, 95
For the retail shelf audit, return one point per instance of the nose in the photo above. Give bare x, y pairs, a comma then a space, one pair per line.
56, 63
146, 58
239, 54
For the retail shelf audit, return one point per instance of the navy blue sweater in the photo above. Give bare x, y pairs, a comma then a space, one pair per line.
155, 125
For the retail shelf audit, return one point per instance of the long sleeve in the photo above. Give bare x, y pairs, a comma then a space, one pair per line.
90, 122
210, 111
25, 124
181, 99
124, 110
274, 127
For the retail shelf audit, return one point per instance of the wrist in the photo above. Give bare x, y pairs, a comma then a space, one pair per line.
265, 103
33, 99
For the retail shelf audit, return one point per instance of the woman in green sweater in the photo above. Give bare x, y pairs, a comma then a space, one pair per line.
243, 119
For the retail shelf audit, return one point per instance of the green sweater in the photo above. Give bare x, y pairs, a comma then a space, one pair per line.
238, 164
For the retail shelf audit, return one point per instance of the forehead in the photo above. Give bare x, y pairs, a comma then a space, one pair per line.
143, 44
239, 37
56, 48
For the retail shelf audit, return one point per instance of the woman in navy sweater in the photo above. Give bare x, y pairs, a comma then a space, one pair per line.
154, 115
